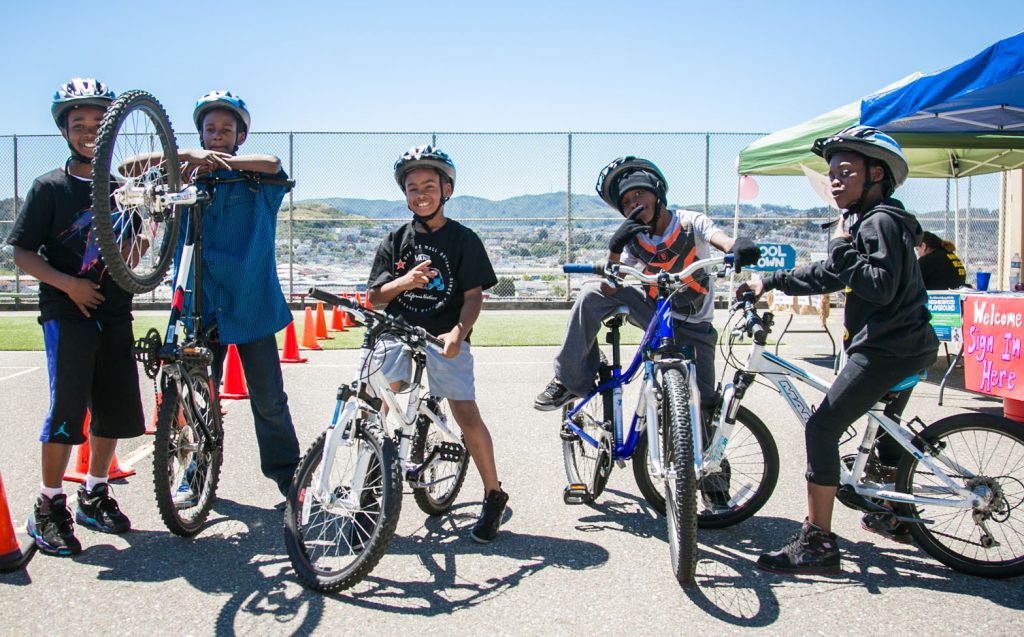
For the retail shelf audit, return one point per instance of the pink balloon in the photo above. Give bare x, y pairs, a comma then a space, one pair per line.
748, 188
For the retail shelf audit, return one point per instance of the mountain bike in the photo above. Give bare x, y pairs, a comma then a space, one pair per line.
344, 502
137, 177
665, 427
959, 487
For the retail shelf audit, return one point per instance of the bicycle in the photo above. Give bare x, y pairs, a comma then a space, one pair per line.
133, 180
660, 438
959, 487
345, 499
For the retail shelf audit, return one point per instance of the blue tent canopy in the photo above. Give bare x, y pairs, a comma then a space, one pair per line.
984, 94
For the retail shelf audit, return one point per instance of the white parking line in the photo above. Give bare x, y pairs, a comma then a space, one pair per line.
22, 372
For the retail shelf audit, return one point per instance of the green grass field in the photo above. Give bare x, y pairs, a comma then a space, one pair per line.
495, 328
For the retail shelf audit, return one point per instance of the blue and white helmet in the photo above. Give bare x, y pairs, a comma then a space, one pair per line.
221, 99
80, 91
869, 142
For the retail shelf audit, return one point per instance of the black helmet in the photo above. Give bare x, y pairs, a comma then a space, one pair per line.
869, 142
80, 91
424, 157
627, 173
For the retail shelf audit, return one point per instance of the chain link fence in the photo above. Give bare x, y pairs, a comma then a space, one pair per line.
530, 197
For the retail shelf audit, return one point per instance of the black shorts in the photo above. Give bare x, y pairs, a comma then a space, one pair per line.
92, 367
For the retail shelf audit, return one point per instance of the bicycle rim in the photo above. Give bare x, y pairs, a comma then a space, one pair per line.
348, 529
585, 463
136, 238
187, 452
991, 449
681, 483
443, 478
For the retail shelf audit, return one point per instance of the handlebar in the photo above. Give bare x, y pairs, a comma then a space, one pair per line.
753, 324
394, 324
615, 271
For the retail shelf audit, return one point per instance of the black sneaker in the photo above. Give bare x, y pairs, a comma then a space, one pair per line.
52, 528
554, 396
97, 509
491, 512
811, 551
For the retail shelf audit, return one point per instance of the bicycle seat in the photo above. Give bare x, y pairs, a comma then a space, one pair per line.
617, 317
909, 381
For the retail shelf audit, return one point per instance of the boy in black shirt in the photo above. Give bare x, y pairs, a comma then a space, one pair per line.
433, 271
87, 329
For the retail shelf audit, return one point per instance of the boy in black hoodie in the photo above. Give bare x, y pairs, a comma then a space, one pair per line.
887, 336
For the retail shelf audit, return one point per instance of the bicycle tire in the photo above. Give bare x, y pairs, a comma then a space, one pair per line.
135, 124
681, 485
992, 448
448, 476
579, 457
333, 551
187, 457
751, 455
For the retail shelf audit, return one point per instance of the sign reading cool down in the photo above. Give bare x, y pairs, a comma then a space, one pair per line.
775, 256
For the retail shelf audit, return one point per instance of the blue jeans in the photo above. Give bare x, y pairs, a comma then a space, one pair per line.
275, 433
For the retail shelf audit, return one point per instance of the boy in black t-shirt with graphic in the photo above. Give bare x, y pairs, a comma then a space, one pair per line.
87, 329
433, 271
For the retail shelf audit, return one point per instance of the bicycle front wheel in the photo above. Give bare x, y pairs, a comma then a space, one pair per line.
585, 463
984, 454
335, 536
681, 481
742, 485
442, 479
136, 161
188, 449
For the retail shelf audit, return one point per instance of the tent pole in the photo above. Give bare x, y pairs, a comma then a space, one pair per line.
735, 232
953, 165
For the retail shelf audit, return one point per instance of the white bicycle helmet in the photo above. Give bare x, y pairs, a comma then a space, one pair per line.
221, 99
80, 91
871, 143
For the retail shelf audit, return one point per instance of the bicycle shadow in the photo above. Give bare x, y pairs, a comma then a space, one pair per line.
731, 588
437, 546
239, 555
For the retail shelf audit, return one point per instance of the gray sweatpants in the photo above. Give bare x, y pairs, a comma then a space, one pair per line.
577, 361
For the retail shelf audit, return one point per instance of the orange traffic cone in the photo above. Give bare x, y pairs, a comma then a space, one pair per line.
345, 316
366, 301
309, 331
233, 387
321, 323
151, 426
291, 346
337, 322
359, 299
81, 468
16, 549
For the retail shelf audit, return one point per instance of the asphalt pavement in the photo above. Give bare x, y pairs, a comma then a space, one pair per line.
554, 570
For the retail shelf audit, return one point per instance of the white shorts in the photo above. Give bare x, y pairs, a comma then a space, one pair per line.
446, 377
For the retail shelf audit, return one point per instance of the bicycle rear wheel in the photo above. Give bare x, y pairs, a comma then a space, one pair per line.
991, 449
681, 482
745, 481
444, 477
188, 450
348, 530
585, 463
136, 236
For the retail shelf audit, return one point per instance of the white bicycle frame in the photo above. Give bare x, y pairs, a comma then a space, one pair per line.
346, 413
781, 372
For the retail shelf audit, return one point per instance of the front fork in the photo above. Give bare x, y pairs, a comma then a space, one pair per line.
341, 432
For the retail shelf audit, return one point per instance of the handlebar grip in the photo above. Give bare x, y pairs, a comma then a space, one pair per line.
327, 297
583, 268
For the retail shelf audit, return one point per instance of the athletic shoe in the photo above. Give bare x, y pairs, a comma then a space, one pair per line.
811, 551
187, 496
491, 512
554, 396
97, 509
52, 528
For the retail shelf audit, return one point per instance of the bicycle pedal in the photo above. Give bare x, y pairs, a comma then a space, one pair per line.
568, 435
450, 451
576, 494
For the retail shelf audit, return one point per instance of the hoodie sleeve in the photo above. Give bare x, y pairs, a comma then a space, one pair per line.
869, 264
812, 278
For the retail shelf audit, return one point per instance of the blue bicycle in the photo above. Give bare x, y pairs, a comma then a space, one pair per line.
660, 439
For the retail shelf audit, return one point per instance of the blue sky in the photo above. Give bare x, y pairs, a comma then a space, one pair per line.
632, 65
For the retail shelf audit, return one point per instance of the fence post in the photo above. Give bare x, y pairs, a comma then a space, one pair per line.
291, 217
707, 174
568, 213
17, 270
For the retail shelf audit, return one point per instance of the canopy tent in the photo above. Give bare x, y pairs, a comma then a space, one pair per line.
965, 120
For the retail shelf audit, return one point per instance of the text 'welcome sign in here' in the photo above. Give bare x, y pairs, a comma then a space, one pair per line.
993, 330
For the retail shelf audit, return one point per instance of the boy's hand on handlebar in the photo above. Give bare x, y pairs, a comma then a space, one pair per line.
417, 278
746, 252
204, 161
754, 285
